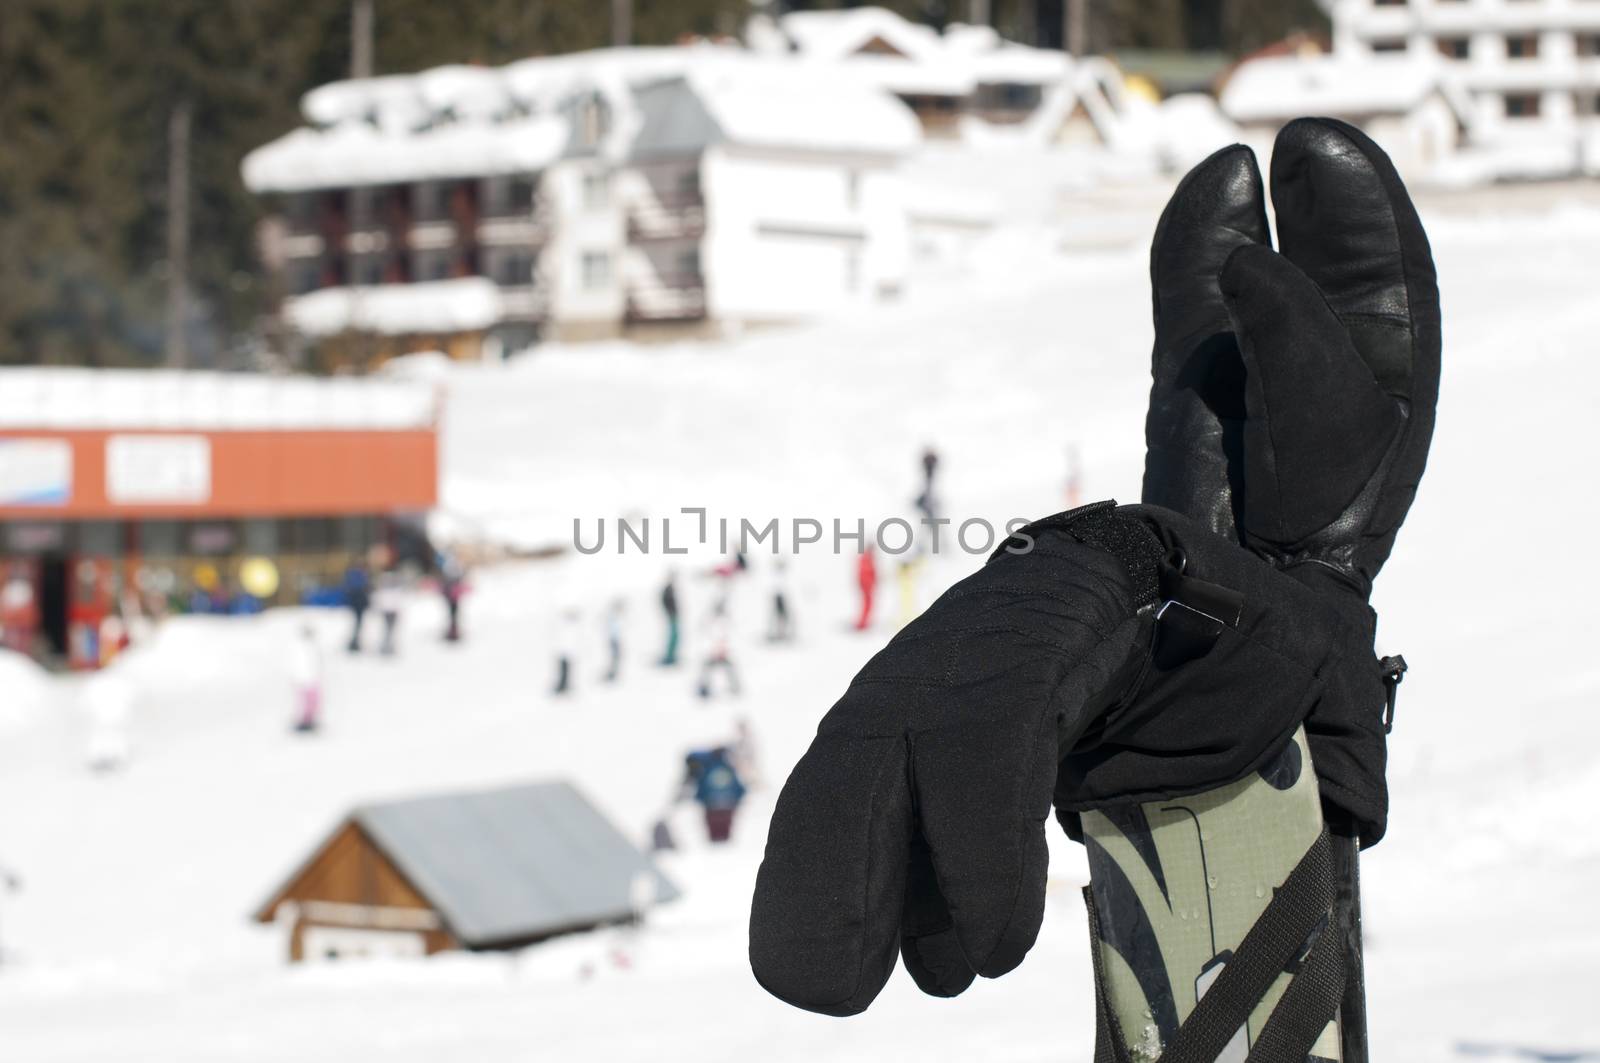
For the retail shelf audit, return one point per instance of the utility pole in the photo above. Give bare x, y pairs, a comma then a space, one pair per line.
978, 12
621, 23
361, 19
178, 123
1075, 35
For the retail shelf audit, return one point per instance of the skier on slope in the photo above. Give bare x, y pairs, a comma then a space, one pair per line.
780, 625
614, 616
1190, 681
713, 782
866, 583
669, 609
305, 675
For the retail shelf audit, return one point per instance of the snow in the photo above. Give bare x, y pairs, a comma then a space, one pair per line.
464, 304
803, 106
355, 153
76, 399
26, 689
129, 938
840, 34
1278, 88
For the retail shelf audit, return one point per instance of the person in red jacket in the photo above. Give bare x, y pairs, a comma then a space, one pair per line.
867, 579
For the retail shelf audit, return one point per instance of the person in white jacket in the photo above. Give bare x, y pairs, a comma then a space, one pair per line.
305, 673
108, 697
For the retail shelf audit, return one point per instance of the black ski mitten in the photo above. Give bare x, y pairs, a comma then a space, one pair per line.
1293, 392
915, 822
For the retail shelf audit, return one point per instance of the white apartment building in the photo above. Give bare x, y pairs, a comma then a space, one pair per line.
626, 190
1531, 69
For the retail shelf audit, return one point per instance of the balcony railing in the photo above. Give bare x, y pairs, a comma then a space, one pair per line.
679, 298
667, 219
533, 227
524, 302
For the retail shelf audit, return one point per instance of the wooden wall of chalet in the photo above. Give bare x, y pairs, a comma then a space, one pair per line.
350, 870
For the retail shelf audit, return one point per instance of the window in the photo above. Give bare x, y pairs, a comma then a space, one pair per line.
366, 269
430, 264
301, 207
504, 197
1389, 44
1588, 103
363, 208
689, 186
596, 189
102, 538
427, 201
305, 276
1588, 45
212, 538
596, 271
1522, 105
260, 535
523, 187
160, 538
510, 267
1455, 47
1523, 47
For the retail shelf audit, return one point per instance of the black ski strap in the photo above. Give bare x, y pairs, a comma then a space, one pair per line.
1297, 910
1307, 1006
1107, 1031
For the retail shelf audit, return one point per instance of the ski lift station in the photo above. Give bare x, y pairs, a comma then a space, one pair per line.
131, 492
477, 870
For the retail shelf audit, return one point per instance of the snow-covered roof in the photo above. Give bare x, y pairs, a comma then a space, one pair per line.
355, 153
464, 304
75, 398
918, 60
832, 35
989, 59
507, 865
1278, 88
464, 121
794, 106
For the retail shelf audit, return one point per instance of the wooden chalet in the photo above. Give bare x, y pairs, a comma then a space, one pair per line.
494, 869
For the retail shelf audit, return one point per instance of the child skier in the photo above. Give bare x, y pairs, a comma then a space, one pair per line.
613, 622
305, 673
780, 627
866, 581
388, 600
669, 608
566, 651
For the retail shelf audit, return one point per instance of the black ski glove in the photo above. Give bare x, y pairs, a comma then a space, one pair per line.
915, 822
1293, 394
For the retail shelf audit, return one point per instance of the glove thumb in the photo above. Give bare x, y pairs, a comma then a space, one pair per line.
1317, 425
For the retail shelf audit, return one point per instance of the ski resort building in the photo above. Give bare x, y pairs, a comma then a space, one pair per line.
580, 196
494, 869
1410, 105
1520, 78
958, 81
120, 487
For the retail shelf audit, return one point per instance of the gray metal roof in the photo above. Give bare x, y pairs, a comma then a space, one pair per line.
507, 865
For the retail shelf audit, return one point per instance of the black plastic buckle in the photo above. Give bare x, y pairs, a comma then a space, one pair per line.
1394, 670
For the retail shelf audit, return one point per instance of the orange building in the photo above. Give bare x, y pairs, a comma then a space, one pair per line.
119, 488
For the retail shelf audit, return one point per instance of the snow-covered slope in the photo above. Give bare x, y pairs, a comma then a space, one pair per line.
129, 939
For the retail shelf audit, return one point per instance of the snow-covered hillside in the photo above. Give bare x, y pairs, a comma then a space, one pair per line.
129, 939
